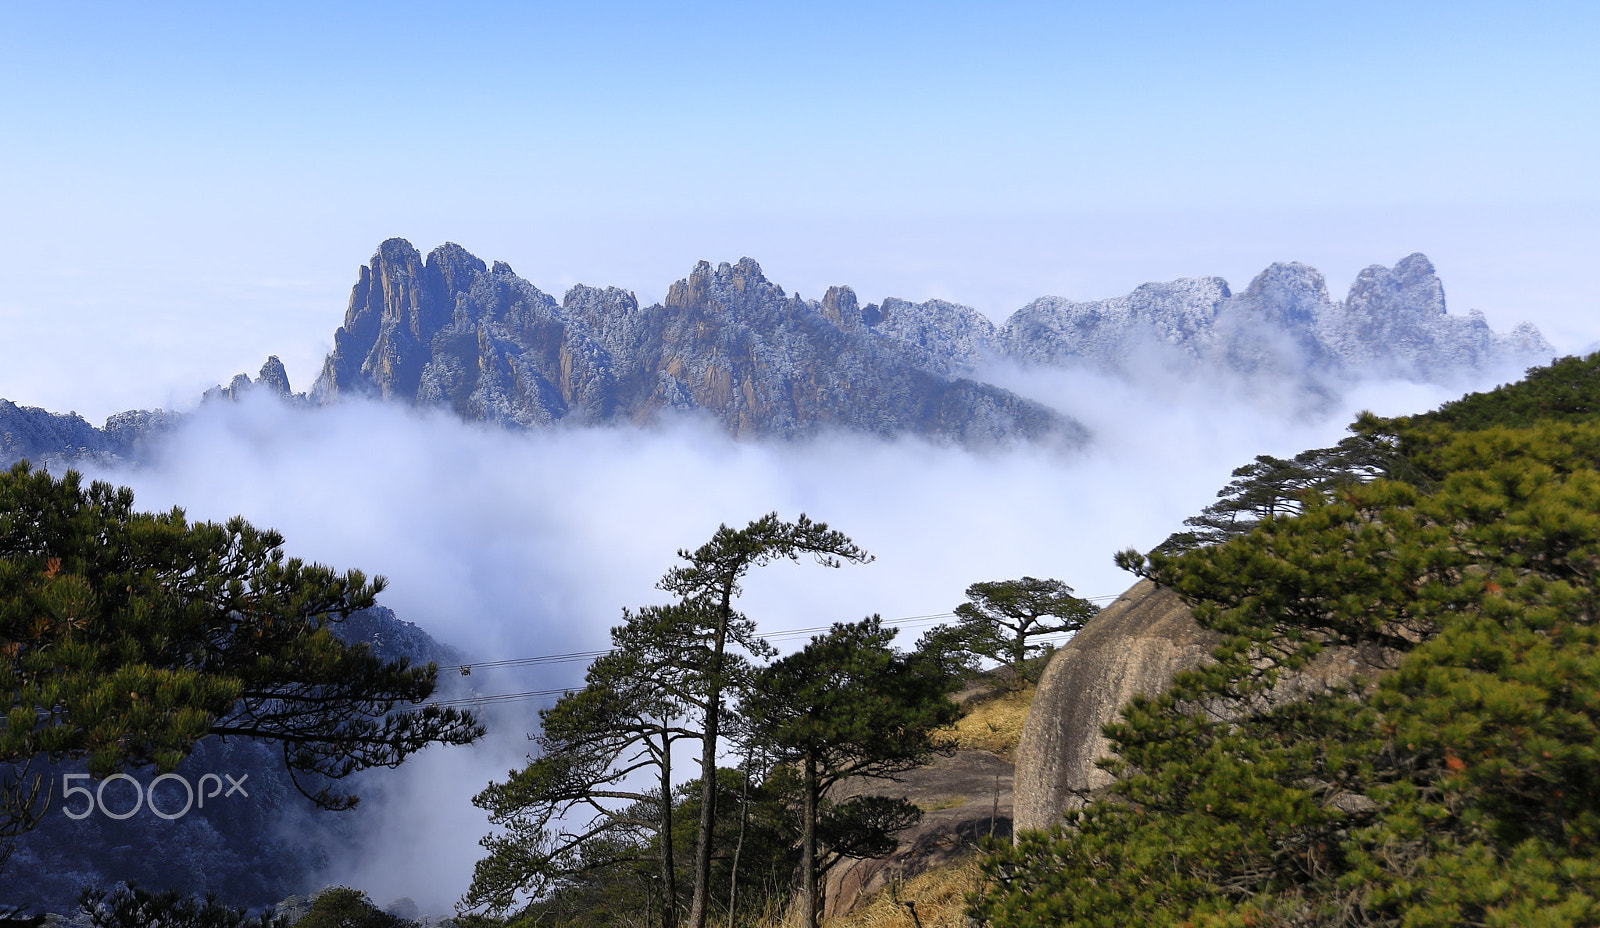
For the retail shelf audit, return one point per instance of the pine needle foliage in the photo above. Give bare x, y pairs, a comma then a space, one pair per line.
1460, 787
127, 636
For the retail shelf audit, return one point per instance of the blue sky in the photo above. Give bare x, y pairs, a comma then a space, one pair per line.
185, 189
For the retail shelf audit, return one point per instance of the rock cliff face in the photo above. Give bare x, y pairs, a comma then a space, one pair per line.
451, 332
1134, 647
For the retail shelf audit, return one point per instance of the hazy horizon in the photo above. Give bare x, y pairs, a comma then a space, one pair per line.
191, 188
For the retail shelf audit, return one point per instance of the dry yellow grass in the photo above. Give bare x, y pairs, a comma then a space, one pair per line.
940, 898
946, 802
939, 895
994, 722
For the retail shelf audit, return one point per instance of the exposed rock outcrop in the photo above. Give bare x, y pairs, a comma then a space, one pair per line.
965, 797
451, 332
1134, 647
1392, 322
273, 379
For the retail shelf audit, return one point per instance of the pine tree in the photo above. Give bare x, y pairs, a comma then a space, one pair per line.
848, 705
571, 812
125, 637
668, 678
1002, 617
709, 583
1459, 788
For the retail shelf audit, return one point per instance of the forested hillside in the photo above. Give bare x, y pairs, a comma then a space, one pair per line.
1460, 787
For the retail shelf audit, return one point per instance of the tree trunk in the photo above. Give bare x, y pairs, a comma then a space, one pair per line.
809, 903
669, 873
738, 847
700, 905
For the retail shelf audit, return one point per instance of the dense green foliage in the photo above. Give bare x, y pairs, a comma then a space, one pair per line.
1568, 389
343, 907
125, 637
1459, 784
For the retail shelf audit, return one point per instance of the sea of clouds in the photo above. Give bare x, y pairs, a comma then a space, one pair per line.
514, 544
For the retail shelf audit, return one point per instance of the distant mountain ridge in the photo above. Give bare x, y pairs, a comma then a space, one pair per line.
451, 332
1393, 322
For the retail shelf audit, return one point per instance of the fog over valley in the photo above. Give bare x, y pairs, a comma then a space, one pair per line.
522, 468
508, 544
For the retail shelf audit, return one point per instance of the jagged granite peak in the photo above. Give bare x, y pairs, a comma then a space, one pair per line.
274, 377
454, 333
943, 338
1287, 293
1393, 322
1271, 328
840, 307
1178, 313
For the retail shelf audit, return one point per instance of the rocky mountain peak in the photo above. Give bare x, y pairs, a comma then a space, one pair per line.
692, 292
1410, 288
452, 269
1286, 293
738, 289
1283, 325
839, 307
451, 333
274, 377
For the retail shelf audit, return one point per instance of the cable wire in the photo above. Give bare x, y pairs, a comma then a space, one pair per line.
781, 635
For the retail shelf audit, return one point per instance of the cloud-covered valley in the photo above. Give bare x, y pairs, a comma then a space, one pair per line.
512, 544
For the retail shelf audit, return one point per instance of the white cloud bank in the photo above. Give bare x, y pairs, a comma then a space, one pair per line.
516, 544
